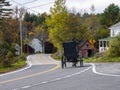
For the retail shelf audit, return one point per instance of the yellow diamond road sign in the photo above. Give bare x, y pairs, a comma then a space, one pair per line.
92, 41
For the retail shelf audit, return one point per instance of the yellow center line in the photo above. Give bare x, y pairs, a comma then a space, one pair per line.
32, 75
43, 61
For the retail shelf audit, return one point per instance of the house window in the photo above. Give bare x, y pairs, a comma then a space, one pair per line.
113, 33
104, 43
100, 43
87, 45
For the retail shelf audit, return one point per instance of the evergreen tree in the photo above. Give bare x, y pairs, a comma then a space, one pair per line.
110, 16
4, 11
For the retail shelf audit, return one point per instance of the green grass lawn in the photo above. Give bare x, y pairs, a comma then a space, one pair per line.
102, 59
12, 67
56, 57
93, 59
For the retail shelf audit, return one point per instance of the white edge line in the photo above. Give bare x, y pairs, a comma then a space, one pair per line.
25, 87
28, 63
56, 79
94, 71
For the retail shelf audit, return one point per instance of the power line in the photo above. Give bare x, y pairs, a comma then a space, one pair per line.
16, 2
23, 3
32, 7
24, 6
42, 5
29, 2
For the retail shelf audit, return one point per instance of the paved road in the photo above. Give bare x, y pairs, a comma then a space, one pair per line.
43, 73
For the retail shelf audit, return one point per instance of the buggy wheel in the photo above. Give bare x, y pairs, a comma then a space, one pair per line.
74, 64
63, 62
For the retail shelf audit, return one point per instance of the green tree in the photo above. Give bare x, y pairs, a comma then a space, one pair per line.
110, 16
56, 23
31, 22
35, 19
114, 47
74, 30
64, 26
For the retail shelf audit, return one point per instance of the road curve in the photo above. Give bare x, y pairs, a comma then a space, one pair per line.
42, 59
46, 74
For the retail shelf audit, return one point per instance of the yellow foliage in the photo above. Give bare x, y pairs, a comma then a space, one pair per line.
31, 33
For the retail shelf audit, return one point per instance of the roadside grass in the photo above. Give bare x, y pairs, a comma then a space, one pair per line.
56, 57
20, 61
13, 67
102, 59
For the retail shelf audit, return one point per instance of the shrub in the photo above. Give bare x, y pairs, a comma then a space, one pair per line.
114, 47
8, 60
10, 55
21, 57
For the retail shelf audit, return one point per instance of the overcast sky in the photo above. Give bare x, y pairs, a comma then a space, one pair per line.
81, 6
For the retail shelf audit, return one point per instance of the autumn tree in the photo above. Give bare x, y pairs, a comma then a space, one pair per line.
64, 26
5, 13
56, 23
92, 24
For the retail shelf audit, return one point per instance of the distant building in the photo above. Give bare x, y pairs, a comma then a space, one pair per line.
104, 43
86, 50
36, 45
115, 30
28, 49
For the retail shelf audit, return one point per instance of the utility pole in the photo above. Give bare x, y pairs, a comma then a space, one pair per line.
22, 11
21, 33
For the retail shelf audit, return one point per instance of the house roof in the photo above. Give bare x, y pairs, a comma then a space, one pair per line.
105, 39
117, 25
82, 42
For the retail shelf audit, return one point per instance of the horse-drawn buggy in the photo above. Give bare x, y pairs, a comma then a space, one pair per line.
71, 54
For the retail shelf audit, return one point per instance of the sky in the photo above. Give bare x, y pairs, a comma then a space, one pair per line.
41, 6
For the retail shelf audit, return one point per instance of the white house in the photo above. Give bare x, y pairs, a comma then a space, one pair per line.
103, 43
36, 44
115, 30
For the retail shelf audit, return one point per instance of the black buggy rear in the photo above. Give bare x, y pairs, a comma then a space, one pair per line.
71, 54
